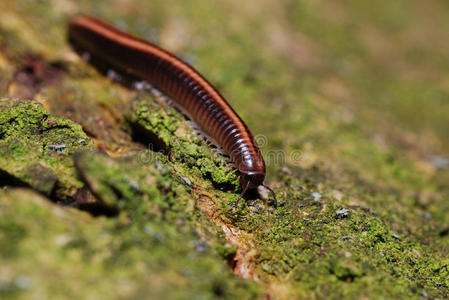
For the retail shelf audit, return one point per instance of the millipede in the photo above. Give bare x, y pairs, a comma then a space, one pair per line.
187, 88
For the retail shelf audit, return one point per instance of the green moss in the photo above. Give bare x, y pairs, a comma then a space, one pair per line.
152, 192
144, 257
11, 236
36, 148
311, 243
180, 142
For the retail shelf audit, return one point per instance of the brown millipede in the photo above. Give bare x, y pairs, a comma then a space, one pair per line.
191, 92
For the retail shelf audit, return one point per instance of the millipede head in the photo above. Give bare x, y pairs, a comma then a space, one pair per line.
251, 180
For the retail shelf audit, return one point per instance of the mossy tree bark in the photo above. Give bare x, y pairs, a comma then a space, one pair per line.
111, 193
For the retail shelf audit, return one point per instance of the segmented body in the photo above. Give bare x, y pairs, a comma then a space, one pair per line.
193, 94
